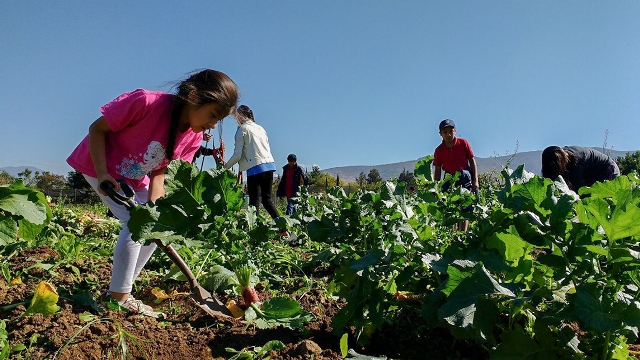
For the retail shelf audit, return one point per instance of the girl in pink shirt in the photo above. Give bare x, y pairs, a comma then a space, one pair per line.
135, 138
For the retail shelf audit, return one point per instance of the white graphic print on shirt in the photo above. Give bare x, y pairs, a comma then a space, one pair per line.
131, 168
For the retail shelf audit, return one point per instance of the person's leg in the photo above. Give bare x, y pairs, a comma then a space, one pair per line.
266, 182
129, 257
464, 224
252, 190
291, 206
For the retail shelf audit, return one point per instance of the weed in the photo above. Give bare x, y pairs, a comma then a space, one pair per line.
256, 352
124, 338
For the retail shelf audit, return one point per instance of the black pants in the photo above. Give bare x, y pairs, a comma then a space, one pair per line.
260, 184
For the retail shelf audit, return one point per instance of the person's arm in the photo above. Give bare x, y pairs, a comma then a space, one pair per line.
437, 173
280, 189
97, 150
156, 185
237, 152
473, 167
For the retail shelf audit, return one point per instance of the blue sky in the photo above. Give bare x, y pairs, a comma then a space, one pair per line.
336, 82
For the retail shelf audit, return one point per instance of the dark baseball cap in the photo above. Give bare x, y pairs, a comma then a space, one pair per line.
292, 157
447, 123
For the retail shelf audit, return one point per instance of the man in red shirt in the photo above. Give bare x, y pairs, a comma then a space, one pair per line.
453, 155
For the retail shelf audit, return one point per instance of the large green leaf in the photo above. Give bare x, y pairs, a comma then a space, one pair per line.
620, 190
8, 231
516, 345
592, 312
155, 221
423, 167
531, 195
617, 224
366, 261
215, 190
460, 308
279, 311
324, 229
188, 209
20, 205
26, 207
510, 245
562, 210
281, 307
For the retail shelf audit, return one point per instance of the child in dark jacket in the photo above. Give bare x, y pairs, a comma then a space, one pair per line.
292, 177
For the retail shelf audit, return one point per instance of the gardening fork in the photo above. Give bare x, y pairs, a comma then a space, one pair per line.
207, 302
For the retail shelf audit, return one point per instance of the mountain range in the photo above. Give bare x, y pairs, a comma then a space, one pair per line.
531, 159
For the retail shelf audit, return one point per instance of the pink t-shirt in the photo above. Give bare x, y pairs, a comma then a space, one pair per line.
139, 121
455, 158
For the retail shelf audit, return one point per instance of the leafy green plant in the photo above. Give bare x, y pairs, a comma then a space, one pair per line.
5, 348
256, 352
190, 209
279, 311
5, 271
273, 312
24, 212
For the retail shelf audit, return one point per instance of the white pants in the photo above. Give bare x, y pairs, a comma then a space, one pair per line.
129, 257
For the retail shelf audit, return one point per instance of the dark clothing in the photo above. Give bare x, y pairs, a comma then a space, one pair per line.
589, 166
202, 151
261, 183
295, 185
290, 185
464, 180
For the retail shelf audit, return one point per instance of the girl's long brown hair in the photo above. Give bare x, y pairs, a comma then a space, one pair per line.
201, 88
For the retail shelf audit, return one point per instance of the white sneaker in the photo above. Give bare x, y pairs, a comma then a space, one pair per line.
137, 306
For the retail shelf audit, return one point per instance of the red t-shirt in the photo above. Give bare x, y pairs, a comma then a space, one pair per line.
288, 182
455, 158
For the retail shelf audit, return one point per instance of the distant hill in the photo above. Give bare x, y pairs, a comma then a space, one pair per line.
531, 160
15, 170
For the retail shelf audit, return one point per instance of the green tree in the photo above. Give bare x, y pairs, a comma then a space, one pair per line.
27, 177
374, 176
47, 181
629, 163
315, 174
362, 178
407, 178
76, 180
319, 182
6, 178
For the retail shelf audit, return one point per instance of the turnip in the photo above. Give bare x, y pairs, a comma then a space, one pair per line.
249, 293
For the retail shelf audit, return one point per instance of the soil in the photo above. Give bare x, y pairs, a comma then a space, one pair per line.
188, 332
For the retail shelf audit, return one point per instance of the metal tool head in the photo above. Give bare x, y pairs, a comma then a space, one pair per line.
209, 303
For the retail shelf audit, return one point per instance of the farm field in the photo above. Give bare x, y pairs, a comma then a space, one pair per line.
541, 273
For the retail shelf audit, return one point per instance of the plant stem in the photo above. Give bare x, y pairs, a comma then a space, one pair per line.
605, 349
257, 310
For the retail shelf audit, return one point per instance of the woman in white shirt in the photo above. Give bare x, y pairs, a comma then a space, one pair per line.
253, 155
